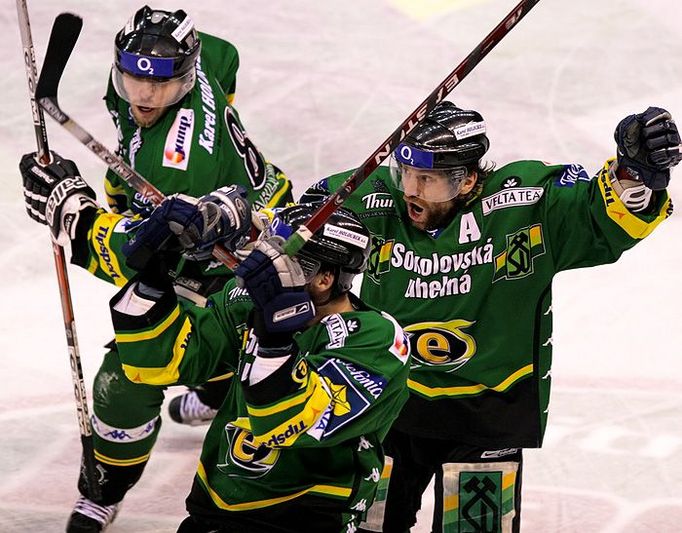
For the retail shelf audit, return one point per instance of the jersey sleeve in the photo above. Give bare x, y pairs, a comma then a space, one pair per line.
349, 387
98, 245
115, 193
223, 59
588, 224
164, 341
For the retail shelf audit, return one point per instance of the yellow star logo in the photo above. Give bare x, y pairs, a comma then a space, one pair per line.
341, 405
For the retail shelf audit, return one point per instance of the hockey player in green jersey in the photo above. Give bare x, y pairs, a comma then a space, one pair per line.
296, 446
169, 95
463, 257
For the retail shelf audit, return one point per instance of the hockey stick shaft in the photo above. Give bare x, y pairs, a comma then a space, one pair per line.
62, 41
320, 216
89, 464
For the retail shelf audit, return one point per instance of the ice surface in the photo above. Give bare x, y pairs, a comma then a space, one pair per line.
320, 86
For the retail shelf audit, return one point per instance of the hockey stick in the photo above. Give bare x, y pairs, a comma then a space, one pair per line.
320, 216
89, 465
63, 39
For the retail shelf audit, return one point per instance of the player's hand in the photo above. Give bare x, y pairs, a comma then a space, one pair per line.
55, 194
648, 147
184, 224
227, 216
276, 284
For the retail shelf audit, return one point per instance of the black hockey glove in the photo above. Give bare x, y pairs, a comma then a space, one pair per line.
227, 221
184, 224
648, 147
55, 194
276, 284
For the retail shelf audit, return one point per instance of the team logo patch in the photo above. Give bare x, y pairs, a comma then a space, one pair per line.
300, 372
571, 175
511, 197
380, 257
480, 505
179, 140
443, 344
479, 497
523, 247
244, 457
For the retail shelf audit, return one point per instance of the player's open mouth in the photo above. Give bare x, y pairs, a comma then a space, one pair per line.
145, 109
414, 211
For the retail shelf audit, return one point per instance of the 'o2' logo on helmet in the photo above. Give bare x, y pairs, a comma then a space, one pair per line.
245, 457
406, 154
145, 65
442, 343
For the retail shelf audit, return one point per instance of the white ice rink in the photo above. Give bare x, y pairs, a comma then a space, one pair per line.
321, 84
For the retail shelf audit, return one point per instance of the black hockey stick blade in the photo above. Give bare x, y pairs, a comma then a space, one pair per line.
65, 32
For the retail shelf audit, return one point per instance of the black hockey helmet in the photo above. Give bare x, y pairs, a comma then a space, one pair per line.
343, 242
156, 46
448, 139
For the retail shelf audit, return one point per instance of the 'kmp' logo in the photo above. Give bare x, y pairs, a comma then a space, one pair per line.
179, 140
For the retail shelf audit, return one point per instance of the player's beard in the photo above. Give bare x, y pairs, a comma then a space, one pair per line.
146, 117
430, 215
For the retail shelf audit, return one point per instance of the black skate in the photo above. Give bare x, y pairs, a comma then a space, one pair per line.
90, 517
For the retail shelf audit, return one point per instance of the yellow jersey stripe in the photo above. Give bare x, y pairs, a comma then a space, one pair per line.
303, 420
259, 504
282, 406
121, 462
471, 389
152, 333
92, 265
163, 375
634, 226
279, 194
222, 377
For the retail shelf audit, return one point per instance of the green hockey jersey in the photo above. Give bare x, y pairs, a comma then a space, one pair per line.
475, 297
318, 445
